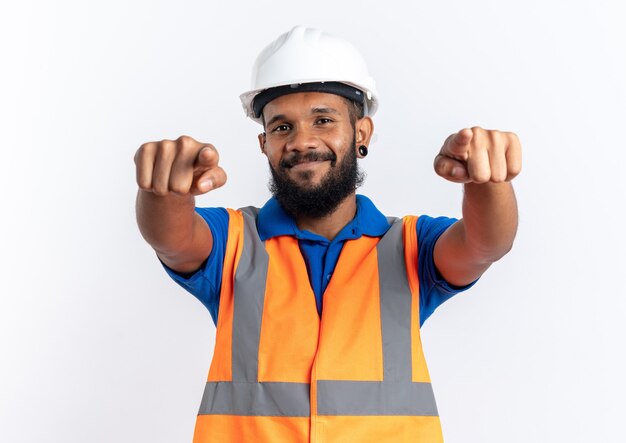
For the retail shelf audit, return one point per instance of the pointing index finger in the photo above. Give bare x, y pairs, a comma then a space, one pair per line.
457, 145
207, 158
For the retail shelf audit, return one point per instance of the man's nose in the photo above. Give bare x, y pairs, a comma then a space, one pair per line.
301, 139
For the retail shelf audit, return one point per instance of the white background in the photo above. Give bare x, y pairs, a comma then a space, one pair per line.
98, 345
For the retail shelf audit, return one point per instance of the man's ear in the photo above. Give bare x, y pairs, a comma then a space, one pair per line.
262, 142
363, 130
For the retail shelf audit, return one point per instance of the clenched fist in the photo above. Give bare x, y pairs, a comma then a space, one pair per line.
182, 166
479, 155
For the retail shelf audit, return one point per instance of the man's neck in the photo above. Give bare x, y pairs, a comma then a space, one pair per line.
330, 225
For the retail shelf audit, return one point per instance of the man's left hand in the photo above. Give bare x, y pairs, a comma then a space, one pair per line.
479, 155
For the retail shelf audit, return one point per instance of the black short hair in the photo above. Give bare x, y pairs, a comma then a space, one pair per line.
356, 111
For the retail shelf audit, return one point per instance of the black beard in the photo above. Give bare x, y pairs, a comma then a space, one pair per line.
321, 200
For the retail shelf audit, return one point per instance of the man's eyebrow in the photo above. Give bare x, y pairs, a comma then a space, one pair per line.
324, 111
275, 118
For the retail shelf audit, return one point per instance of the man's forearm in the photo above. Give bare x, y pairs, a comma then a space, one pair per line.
166, 222
489, 219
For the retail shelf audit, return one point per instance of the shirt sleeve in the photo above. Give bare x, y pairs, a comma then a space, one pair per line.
205, 283
434, 289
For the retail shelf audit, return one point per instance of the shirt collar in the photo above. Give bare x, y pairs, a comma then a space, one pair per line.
273, 221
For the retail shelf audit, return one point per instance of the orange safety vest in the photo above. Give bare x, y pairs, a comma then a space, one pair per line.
280, 373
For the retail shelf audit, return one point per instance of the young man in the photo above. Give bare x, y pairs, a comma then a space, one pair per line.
320, 296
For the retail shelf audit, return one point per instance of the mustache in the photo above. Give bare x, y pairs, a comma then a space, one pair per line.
297, 157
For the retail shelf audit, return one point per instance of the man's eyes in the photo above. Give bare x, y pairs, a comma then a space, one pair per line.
286, 127
281, 128
324, 120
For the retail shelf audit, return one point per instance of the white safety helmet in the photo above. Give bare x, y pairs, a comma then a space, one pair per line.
303, 58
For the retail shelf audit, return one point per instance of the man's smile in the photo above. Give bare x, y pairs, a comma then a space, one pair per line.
307, 164
303, 161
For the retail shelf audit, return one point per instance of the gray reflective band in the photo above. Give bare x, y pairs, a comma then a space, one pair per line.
249, 289
395, 305
375, 398
397, 394
244, 395
262, 399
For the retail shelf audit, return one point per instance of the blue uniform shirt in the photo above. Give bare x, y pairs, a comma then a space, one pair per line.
320, 254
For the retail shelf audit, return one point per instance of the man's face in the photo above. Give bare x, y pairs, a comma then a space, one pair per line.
310, 146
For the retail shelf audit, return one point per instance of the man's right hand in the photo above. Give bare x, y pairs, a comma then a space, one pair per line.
183, 167
169, 174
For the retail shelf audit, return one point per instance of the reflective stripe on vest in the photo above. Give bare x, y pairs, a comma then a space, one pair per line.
395, 395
